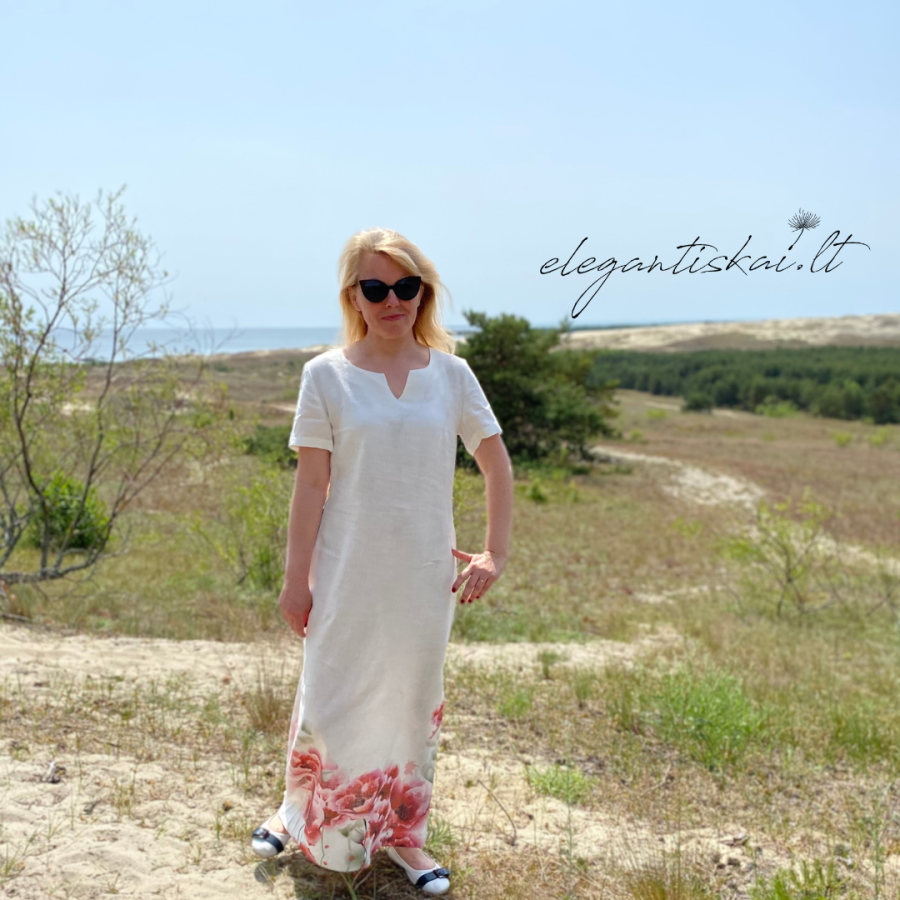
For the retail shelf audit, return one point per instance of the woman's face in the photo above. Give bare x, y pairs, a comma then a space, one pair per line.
392, 317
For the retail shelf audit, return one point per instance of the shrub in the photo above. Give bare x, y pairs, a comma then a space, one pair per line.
71, 520
543, 400
707, 715
784, 551
697, 401
777, 409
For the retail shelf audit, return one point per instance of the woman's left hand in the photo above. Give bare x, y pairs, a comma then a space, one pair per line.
482, 571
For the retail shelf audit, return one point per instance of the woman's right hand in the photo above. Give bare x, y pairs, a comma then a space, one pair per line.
295, 603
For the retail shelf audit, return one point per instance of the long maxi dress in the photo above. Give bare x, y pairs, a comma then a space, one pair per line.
367, 714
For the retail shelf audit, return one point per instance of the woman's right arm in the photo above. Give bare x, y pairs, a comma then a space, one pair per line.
310, 492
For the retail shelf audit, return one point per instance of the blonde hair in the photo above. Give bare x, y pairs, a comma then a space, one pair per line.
427, 328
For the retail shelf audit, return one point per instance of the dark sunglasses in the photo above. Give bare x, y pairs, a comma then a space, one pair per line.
405, 289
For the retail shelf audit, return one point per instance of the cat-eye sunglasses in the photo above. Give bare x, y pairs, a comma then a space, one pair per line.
405, 289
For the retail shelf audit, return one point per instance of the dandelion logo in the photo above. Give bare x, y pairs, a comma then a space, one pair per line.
801, 222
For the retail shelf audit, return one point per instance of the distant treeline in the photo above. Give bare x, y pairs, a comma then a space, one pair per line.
838, 382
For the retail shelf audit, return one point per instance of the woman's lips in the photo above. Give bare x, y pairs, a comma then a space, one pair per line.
392, 318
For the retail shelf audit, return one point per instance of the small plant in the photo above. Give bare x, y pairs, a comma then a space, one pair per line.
708, 715
636, 436
548, 659
842, 438
784, 550
536, 492
584, 685
441, 836
269, 703
562, 782
880, 437
657, 414
515, 702
670, 876
814, 881
777, 409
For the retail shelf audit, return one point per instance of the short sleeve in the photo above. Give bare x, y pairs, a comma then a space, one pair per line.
476, 420
312, 427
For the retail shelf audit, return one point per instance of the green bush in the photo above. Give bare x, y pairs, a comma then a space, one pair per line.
70, 520
270, 443
697, 401
542, 399
777, 409
707, 714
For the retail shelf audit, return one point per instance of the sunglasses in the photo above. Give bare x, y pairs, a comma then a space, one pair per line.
405, 289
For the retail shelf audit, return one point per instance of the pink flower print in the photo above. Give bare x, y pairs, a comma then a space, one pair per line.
409, 768
436, 718
375, 823
391, 773
358, 798
302, 767
409, 812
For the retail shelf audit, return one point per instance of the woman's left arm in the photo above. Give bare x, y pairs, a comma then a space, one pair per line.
485, 568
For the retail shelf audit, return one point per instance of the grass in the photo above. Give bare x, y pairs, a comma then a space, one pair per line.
562, 782
810, 881
786, 725
706, 715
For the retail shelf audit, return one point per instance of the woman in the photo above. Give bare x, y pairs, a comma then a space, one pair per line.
370, 580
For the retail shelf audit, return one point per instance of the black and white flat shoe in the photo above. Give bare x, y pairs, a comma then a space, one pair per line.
268, 843
432, 881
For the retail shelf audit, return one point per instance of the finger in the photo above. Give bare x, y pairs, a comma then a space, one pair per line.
460, 555
471, 588
462, 577
484, 589
476, 593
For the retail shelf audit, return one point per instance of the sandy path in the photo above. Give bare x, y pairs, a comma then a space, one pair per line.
69, 838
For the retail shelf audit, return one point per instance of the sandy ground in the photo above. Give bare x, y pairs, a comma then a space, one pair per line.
71, 842
876, 329
63, 837
882, 329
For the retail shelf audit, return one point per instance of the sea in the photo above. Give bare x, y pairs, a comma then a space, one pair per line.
212, 340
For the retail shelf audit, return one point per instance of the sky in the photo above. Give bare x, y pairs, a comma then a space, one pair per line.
254, 139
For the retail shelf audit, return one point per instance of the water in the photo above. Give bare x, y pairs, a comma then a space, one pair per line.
209, 340
226, 340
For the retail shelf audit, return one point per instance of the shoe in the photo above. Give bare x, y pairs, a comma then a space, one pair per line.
268, 843
432, 881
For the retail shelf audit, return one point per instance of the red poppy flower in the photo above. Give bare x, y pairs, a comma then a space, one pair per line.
304, 766
357, 798
409, 812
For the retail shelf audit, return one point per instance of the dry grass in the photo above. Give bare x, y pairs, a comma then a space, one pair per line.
735, 746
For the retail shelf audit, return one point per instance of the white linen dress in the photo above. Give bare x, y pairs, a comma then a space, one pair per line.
367, 714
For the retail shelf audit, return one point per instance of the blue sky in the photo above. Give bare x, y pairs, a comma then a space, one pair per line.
254, 139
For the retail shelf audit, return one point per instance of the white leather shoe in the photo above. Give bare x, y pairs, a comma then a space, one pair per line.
432, 881
268, 843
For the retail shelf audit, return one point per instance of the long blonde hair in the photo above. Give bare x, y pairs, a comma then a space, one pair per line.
427, 328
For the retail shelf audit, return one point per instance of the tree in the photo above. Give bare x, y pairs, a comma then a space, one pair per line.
538, 396
81, 437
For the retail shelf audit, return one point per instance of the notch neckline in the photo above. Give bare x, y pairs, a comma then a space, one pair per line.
383, 377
